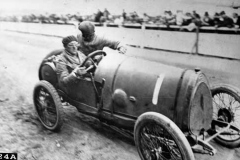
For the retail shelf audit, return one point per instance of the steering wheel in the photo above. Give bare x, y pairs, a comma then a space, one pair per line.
90, 57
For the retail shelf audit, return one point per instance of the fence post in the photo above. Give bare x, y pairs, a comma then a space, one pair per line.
196, 43
143, 27
197, 39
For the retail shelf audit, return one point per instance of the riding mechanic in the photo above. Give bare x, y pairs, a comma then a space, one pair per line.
89, 41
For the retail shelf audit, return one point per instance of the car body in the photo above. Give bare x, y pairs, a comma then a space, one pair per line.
132, 93
134, 86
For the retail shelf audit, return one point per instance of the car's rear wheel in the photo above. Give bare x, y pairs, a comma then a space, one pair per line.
157, 137
48, 105
226, 107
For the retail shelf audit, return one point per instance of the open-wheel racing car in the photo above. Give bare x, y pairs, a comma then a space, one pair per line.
169, 110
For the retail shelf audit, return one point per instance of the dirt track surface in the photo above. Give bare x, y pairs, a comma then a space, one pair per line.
82, 137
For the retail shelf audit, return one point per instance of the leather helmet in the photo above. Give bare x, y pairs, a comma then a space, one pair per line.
87, 28
68, 39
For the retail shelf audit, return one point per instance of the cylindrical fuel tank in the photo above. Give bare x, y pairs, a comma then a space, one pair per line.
139, 86
194, 103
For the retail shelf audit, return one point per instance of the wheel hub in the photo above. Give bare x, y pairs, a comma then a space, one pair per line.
225, 115
164, 151
154, 155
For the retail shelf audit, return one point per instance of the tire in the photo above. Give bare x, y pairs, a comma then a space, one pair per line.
162, 138
48, 105
223, 94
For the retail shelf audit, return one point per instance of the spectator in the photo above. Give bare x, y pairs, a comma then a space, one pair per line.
105, 17
187, 19
225, 21
106, 14
216, 18
64, 19
195, 15
197, 20
119, 20
179, 17
54, 18
157, 19
43, 18
146, 18
124, 15
98, 16
134, 17
190, 22
78, 17
236, 20
170, 19
207, 20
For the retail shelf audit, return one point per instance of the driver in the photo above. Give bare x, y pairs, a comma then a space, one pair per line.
90, 42
68, 62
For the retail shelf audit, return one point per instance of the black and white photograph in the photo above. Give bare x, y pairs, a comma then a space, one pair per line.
120, 80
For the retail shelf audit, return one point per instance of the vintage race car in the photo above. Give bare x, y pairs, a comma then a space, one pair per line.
168, 110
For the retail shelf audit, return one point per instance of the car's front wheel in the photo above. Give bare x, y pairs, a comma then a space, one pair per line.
48, 105
157, 137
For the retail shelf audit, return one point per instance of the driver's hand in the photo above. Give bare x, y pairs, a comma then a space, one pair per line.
80, 71
98, 58
122, 50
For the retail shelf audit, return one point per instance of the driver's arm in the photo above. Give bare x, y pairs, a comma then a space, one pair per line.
64, 75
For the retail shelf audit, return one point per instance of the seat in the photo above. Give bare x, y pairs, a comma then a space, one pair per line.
48, 73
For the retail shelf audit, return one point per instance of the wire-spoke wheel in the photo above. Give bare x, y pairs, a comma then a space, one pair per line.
226, 108
158, 138
48, 105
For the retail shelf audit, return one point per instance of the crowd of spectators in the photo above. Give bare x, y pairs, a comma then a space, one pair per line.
186, 20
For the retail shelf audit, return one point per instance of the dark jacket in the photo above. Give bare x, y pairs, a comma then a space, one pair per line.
226, 22
98, 43
65, 64
238, 22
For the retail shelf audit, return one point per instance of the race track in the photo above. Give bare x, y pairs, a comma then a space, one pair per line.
82, 137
